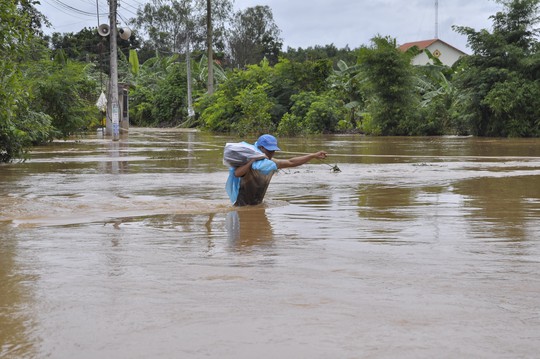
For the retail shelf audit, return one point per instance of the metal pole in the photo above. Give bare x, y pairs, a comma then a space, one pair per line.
209, 34
191, 112
436, 19
113, 87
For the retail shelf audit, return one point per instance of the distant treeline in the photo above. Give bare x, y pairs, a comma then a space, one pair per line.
50, 84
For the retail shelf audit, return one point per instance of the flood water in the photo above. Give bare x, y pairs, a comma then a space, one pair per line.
418, 248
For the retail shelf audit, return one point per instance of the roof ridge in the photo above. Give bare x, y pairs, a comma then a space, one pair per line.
423, 44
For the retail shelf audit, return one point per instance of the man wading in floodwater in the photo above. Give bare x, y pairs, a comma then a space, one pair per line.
247, 183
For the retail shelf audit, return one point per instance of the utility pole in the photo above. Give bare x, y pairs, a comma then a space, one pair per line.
113, 83
210, 83
436, 19
191, 112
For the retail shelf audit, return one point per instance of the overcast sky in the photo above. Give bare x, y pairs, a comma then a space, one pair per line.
305, 23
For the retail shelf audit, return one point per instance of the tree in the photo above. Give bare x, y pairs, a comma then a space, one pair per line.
229, 109
182, 25
254, 36
502, 80
169, 24
35, 19
65, 92
165, 22
327, 52
311, 114
346, 82
440, 98
170, 100
88, 46
391, 99
257, 98
145, 84
255, 105
17, 30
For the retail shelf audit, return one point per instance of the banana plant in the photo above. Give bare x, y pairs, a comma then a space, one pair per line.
202, 69
348, 81
134, 61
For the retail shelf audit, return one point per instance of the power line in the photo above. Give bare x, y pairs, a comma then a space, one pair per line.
122, 18
63, 6
131, 6
85, 9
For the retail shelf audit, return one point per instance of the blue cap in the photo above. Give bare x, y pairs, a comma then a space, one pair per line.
269, 142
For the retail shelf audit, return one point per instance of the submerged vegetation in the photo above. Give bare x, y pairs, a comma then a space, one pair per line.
50, 84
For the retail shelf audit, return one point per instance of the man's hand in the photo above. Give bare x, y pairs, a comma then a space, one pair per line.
321, 155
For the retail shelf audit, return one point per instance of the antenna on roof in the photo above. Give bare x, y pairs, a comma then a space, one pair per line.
436, 19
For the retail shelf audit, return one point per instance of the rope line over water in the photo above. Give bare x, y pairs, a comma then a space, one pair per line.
423, 156
457, 157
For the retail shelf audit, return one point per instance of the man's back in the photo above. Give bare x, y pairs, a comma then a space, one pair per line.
253, 187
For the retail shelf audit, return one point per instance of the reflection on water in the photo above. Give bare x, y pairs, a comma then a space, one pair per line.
118, 163
387, 203
249, 227
505, 208
131, 249
15, 295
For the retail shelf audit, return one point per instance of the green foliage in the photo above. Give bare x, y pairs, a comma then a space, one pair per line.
254, 37
311, 114
88, 46
81, 46
12, 139
224, 108
141, 105
134, 62
347, 82
290, 125
30, 128
494, 92
327, 52
440, 100
66, 93
501, 81
165, 22
389, 87
38, 127
510, 104
292, 122
324, 114
170, 24
294, 77
200, 70
18, 24
218, 112
145, 85
368, 126
169, 103
255, 106
158, 92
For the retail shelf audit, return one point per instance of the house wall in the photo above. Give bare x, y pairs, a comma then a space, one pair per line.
448, 54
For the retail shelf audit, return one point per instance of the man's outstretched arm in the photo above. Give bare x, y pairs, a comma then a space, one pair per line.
300, 160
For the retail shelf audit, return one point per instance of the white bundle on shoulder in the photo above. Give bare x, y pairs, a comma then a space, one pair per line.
239, 153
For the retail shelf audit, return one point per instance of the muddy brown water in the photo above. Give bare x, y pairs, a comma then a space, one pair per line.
418, 248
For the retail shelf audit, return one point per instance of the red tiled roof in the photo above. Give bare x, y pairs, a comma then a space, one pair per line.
424, 44
420, 44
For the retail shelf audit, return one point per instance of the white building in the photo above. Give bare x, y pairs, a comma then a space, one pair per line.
447, 53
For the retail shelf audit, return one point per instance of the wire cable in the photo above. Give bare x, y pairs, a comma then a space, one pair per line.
69, 8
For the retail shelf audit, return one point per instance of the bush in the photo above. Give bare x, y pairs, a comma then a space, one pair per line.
170, 104
255, 106
66, 93
311, 114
